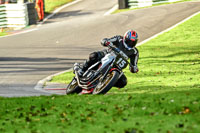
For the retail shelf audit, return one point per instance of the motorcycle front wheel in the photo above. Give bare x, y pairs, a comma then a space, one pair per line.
104, 86
73, 87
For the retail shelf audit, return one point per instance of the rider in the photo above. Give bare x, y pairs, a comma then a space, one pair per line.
126, 44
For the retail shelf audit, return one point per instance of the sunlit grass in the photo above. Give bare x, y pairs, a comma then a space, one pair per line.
3, 33
51, 5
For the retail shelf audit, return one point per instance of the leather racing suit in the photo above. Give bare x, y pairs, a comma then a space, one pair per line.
117, 41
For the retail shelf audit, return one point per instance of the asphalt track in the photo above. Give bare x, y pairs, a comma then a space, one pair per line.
70, 35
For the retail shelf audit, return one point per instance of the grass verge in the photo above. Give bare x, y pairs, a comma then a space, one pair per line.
162, 98
3, 33
51, 5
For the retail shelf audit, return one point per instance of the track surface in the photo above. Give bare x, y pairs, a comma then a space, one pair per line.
71, 35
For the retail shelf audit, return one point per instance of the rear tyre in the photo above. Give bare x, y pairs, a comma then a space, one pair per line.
104, 86
73, 87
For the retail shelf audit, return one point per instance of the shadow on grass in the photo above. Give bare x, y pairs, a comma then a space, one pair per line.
163, 61
156, 89
174, 54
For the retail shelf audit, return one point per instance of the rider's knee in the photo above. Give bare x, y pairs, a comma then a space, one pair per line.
93, 56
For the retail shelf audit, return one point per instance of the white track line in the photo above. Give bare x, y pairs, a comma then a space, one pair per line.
42, 82
111, 10
26, 31
58, 10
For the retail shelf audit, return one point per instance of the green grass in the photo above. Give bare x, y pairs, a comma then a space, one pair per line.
3, 33
162, 98
63, 78
168, 112
51, 5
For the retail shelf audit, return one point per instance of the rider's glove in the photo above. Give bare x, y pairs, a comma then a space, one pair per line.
134, 69
105, 42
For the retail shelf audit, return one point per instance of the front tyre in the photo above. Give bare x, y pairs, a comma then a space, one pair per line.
104, 86
73, 87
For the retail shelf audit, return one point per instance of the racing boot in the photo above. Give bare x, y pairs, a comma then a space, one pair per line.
85, 66
81, 70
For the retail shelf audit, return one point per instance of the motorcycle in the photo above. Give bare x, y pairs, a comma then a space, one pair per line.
100, 77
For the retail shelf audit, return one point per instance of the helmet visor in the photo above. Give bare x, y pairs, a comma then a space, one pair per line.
131, 43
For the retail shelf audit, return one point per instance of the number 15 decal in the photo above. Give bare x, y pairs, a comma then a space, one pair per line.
121, 62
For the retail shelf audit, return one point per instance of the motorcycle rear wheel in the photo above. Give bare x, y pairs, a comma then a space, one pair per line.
107, 84
73, 87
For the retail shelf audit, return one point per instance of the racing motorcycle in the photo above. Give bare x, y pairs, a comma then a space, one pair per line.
100, 77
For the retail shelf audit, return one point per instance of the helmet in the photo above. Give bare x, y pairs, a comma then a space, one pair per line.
130, 39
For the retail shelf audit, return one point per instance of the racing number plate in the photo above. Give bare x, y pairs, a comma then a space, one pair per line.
121, 63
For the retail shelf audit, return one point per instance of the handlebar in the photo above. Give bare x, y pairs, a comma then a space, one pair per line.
117, 50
